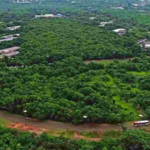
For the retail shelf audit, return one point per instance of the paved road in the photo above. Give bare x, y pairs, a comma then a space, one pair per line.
54, 125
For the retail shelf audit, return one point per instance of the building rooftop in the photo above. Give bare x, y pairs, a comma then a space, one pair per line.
92, 18
8, 39
135, 5
13, 28
7, 50
117, 7
12, 54
102, 24
119, 30
10, 36
49, 16
147, 45
45, 16
59, 15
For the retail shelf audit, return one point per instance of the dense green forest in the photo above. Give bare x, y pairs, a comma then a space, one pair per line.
54, 77
14, 140
61, 38
49, 77
67, 92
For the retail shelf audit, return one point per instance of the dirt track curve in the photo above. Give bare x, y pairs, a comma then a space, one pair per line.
54, 125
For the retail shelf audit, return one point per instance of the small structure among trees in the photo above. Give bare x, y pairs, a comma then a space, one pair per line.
13, 28
102, 24
120, 31
9, 37
9, 52
144, 43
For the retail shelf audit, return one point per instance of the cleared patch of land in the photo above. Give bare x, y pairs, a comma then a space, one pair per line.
106, 61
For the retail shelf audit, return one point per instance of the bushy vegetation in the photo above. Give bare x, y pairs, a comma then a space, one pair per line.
60, 38
49, 77
67, 92
14, 140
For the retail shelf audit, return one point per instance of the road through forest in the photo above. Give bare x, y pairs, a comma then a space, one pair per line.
54, 125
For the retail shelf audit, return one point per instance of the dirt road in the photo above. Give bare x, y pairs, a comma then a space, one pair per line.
54, 125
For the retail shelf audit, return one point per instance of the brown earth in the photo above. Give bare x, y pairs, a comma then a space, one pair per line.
25, 127
33, 125
34, 129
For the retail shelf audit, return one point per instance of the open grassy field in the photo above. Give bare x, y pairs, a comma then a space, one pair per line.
106, 61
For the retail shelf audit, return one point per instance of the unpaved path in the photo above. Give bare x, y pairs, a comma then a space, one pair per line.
54, 125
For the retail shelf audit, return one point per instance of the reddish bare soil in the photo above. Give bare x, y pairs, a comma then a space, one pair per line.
26, 127
38, 127
104, 125
34, 129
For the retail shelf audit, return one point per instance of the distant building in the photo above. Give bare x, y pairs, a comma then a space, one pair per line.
49, 16
9, 52
102, 24
27, 1
92, 18
13, 28
135, 5
120, 31
12, 54
144, 43
147, 46
141, 41
9, 37
142, 10
117, 7
59, 15
45, 16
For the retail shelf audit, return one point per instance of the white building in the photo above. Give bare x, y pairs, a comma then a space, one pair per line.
45, 16
9, 37
13, 28
92, 18
120, 31
147, 46
102, 24
118, 8
135, 5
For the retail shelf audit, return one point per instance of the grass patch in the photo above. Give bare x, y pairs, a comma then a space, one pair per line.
106, 61
112, 134
92, 134
128, 109
3, 122
105, 134
140, 73
57, 133
67, 134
